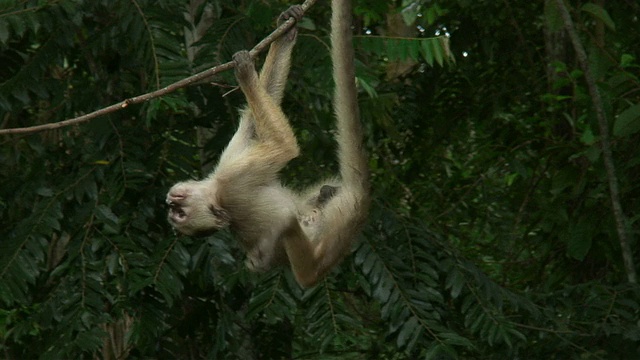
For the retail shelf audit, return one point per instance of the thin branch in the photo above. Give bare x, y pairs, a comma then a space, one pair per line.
260, 47
607, 155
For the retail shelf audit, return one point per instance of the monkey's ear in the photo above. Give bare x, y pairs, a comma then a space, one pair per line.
221, 215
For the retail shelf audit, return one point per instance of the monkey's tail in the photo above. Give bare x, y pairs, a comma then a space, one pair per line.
351, 155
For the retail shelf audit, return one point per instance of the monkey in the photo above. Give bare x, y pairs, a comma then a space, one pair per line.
313, 230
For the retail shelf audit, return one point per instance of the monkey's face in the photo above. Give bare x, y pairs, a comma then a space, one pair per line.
194, 210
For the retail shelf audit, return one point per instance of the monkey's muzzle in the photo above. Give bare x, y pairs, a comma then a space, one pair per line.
176, 212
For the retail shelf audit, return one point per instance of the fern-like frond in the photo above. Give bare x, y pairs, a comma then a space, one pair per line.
432, 50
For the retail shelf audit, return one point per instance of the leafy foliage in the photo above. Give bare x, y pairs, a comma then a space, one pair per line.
492, 234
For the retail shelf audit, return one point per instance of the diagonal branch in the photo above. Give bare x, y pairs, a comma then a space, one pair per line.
260, 47
605, 142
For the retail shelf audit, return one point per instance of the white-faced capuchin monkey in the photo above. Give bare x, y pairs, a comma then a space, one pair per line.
312, 230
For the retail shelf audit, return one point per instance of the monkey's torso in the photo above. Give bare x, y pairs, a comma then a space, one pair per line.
259, 217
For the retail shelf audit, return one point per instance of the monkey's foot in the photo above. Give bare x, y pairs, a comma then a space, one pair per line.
243, 64
295, 12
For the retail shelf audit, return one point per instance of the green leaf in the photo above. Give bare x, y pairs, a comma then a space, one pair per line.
427, 53
431, 49
455, 339
626, 60
599, 13
410, 11
408, 329
455, 282
260, 14
383, 290
17, 24
580, 238
44, 191
628, 122
439, 351
395, 50
103, 213
4, 31
587, 137
438, 52
369, 261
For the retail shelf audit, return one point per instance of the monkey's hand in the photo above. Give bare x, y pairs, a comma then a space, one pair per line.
295, 12
244, 66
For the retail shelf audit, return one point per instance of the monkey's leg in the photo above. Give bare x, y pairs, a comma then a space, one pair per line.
275, 70
273, 78
275, 137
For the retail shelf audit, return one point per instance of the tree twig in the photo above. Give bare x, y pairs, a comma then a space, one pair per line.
260, 47
607, 155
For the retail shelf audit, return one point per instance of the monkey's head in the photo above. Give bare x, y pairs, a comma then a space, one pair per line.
194, 209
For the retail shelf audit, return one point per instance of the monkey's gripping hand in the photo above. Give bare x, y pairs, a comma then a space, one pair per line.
295, 12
